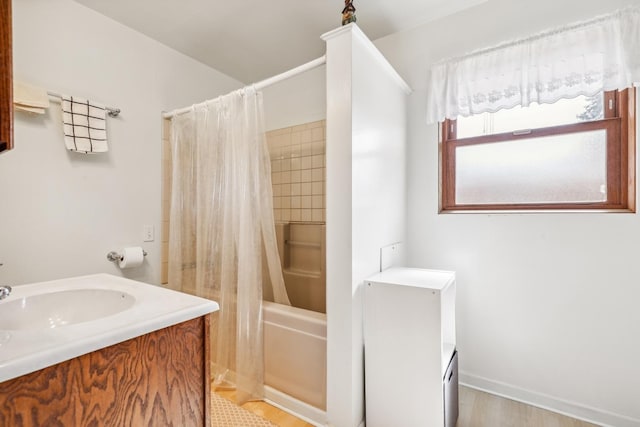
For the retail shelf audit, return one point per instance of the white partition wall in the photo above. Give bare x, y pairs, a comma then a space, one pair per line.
366, 206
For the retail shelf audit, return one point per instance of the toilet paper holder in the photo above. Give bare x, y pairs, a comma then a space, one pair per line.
114, 256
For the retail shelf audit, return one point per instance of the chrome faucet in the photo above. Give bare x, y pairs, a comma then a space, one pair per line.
5, 291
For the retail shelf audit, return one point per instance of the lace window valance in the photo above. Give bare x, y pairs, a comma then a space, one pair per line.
580, 59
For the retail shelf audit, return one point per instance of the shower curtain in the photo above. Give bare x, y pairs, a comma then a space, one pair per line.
222, 232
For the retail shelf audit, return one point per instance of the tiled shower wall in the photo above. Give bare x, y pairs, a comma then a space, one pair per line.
298, 172
166, 199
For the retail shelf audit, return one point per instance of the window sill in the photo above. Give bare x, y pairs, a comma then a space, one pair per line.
535, 211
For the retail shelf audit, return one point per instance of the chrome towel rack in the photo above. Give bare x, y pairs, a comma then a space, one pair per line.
112, 112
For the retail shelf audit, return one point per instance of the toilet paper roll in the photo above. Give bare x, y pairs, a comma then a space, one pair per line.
131, 257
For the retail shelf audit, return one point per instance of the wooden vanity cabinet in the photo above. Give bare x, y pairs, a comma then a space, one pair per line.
6, 80
158, 379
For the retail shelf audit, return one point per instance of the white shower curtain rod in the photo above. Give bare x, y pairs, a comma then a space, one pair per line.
264, 83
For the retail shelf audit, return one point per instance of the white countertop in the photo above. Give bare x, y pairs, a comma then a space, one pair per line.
155, 307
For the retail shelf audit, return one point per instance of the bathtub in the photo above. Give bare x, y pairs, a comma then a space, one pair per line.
295, 343
42, 324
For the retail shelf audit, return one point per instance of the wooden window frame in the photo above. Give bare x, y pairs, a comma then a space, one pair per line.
620, 124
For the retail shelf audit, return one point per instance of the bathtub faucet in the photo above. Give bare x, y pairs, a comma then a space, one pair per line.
5, 291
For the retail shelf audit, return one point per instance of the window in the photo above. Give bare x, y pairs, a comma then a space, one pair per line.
574, 154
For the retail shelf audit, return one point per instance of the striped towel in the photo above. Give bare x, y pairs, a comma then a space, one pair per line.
85, 125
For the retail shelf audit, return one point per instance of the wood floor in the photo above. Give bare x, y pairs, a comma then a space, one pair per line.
477, 409
266, 411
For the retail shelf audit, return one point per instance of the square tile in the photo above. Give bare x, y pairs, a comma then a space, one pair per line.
296, 202
164, 250
306, 149
275, 153
316, 188
296, 137
164, 272
305, 162
317, 134
295, 151
298, 171
276, 177
166, 207
273, 141
284, 140
317, 147
317, 161
270, 139
165, 231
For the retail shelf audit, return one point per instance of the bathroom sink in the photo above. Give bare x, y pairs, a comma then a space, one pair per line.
56, 309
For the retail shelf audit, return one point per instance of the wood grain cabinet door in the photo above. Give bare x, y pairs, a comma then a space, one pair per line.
6, 81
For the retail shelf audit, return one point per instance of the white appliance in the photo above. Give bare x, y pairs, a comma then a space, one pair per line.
411, 377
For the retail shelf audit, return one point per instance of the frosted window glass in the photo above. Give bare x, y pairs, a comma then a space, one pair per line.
553, 169
562, 112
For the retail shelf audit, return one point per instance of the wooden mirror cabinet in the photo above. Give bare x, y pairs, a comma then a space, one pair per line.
6, 80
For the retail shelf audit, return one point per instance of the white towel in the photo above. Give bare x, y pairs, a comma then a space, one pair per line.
85, 125
29, 98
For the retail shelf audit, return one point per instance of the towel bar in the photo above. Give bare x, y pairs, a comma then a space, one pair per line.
112, 112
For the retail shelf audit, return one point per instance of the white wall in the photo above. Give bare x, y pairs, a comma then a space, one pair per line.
547, 303
366, 138
297, 100
62, 212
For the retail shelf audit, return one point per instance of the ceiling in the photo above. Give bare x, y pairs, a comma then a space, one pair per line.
250, 40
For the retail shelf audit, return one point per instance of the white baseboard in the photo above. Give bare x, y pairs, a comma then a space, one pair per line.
362, 424
295, 407
544, 401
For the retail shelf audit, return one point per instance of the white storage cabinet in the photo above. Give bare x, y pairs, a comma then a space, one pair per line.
410, 339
